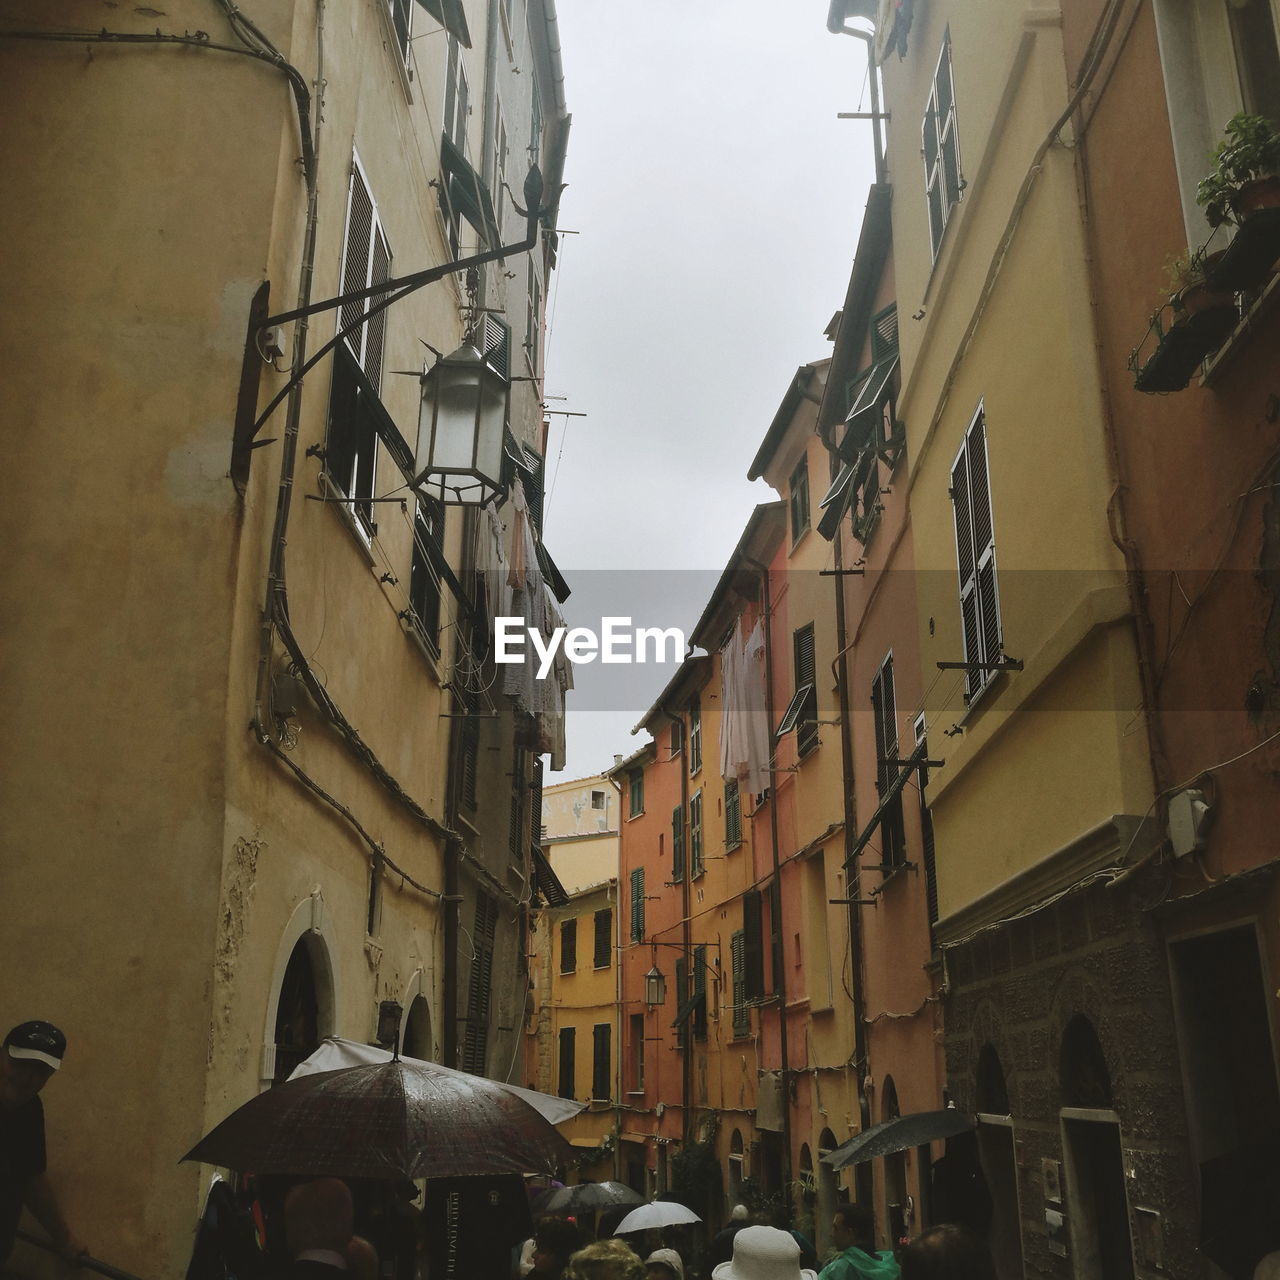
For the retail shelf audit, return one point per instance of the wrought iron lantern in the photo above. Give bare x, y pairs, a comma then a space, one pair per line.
460, 430
655, 988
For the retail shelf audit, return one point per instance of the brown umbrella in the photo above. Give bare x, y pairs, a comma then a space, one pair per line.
389, 1120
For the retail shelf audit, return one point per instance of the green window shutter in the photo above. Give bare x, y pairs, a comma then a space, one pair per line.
568, 946
732, 814
677, 843
737, 955
601, 1044
806, 675
567, 1047
700, 990
603, 950
637, 905
695, 834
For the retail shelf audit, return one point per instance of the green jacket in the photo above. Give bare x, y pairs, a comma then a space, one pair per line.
855, 1264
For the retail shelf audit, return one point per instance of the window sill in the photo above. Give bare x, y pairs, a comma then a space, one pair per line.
631, 817
797, 543
430, 655
734, 847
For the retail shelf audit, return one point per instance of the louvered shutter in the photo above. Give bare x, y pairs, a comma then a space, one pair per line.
775, 934
732, 813
637, 905
677, 843
567, 1064
753, 944
700, 990
976, 557
737, 955
604, 939
476, 1039
885, 710
568, 946
806, 674
695, 834
601, 1037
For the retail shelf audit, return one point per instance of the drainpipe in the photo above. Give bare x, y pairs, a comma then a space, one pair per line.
779, 978
841, 669
836, 25
686, 935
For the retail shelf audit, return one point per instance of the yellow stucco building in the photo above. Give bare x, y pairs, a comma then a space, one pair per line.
251, 788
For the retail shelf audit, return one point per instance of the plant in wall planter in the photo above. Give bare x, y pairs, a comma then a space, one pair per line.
1244, 190
1195, 322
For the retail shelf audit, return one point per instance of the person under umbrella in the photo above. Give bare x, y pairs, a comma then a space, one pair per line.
555, 1241
319, 1221
854, 1230
763, 1253
605, 1260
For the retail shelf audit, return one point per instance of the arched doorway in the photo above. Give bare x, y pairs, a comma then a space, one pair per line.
297, 1028
1095, 1191
897, 1222
416, 1042
807, 1197
999, 1163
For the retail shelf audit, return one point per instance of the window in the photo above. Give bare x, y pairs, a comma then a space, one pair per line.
1219, 57
566, 1061
637, 1052
424, 575
597, 800
498, 163
695, 736
741, 1014
677, 736
696, 867
601, 1045
799, 491
533, 318
469, 754
351, 446
535, 124
677, 843
700, 992
976, 556
732, 814
941, 149
637, 905
457, 105
884, 708
806, 720
603, 951
635, 793
402, 21
568, 946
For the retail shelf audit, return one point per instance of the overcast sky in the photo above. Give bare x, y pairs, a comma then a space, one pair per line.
718, 200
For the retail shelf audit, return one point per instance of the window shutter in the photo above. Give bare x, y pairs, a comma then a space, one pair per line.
926, 836
799, 489
476, 1039
566, 1062
604, 939
519, 804
600, 1055
677, 843
737, 954
885, 713
775, 932
568, 946
495, 344
805, 674
732, 814
695, 834
975, 556
635, 793
535, 803
753, 944
637, 905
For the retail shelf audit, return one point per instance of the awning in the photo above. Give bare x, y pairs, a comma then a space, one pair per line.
449, 14
900, 1134
464, 192
868, 404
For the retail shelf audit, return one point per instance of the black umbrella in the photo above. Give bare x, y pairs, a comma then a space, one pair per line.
587, 1197
899, 1134
390, 1120
1240, 1206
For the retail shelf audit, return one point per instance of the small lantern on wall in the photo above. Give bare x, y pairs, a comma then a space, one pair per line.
655, 988
460, 430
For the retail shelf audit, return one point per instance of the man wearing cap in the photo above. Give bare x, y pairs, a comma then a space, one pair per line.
32, 1052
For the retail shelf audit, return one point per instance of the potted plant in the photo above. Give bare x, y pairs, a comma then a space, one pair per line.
1191, 292
1246, 173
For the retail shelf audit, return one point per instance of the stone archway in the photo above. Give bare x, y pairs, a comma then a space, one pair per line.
301, 1007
